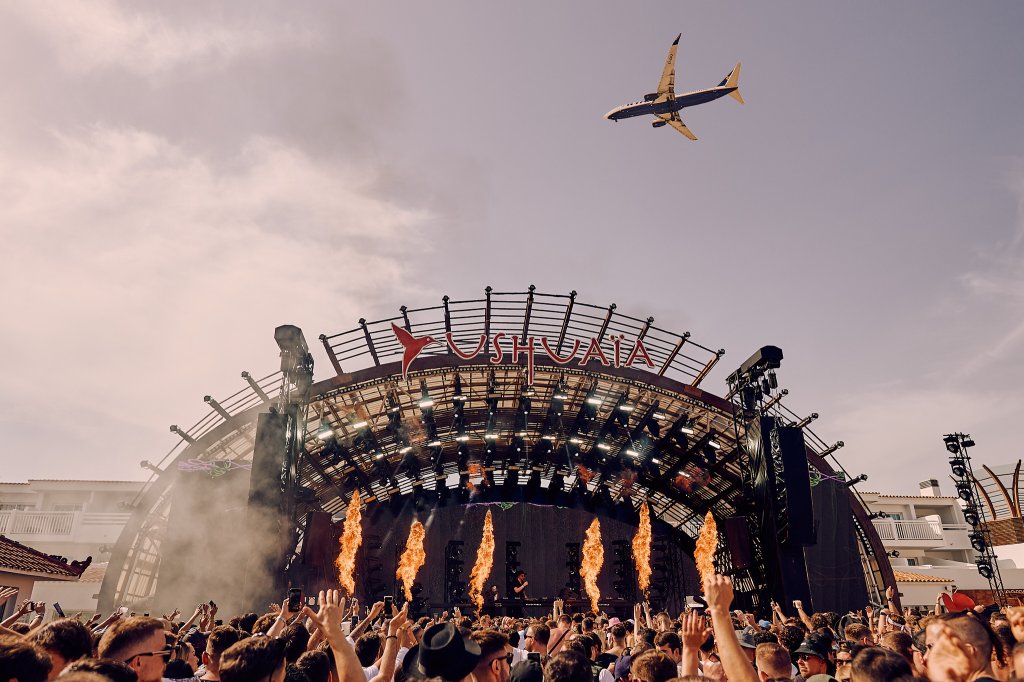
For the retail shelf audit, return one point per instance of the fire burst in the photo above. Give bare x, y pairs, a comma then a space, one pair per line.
484, 563
351, 538
642, 550
593, 560
413, 557
707, 544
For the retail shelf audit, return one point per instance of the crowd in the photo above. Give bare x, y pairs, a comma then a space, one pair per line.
337, 642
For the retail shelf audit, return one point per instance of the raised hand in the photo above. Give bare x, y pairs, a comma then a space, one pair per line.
890, 592
377, 609
274, 608
40, 607
694, 631
329, 616
949, 659
718, 592
1015, 614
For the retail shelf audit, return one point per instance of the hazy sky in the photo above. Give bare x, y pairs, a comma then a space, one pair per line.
177, 179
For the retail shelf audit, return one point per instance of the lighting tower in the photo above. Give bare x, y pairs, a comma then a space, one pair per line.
981, 538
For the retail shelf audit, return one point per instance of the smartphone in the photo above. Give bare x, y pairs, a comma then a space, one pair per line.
389, 606
123, 610
58, 609
294, 599
355, 620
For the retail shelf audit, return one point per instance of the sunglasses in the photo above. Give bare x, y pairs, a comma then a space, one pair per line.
165, 654
507, 658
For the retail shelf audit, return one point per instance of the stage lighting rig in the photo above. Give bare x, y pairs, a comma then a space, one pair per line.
755, 379
296, 361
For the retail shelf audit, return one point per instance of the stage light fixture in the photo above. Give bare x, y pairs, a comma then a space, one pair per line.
963, 491
425, 402
971, 516
978, 540
952, 443
958, 466
878, 515
894, 554
856, 479
325, 431
560, 393
458, 396
985, 568
967, 442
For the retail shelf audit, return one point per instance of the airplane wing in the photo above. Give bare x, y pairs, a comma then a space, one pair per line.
667, 84
677, 123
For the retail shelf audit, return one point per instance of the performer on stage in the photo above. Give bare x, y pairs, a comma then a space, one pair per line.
492, 602
519, 594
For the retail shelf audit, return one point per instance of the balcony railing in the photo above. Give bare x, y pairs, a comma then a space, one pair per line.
21, 524
913, 529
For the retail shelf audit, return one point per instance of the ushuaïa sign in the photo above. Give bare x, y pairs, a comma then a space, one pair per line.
502, 346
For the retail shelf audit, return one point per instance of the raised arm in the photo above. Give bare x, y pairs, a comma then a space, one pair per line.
358, 630
693, 634
396, 629
804, 618
718, 593
328, 619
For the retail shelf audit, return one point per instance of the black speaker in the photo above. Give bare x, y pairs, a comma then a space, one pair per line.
798, 487
266, 517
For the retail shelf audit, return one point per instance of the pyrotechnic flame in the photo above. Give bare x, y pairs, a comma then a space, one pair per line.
593, 560
413, 557
484, 563
707, 543
642, 550
351, 538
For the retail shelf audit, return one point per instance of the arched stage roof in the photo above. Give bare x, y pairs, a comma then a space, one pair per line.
615, 415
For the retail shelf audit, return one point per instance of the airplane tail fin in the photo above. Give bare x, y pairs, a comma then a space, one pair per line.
733, 81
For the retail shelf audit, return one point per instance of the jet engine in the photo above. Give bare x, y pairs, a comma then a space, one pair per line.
658, 124
651, 97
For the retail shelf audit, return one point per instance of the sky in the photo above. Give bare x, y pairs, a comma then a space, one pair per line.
177, 179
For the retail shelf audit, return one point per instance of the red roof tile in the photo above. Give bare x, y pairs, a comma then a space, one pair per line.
18, 558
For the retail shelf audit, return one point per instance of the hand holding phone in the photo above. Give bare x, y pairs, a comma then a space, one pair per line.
389, 606
294, 600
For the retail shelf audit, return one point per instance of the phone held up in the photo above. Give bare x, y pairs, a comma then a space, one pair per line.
389, 606
294, 599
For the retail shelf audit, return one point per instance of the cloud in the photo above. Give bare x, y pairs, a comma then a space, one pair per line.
137, 269
101, 34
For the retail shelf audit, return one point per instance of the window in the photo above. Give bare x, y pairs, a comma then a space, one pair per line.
6, 506
912, 561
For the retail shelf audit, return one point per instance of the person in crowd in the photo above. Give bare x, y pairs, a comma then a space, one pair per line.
536, 638
959, 648
65, 640
316, 665
859, 633
114, 671
23, 661
773, 662
217, 643
568, 666
256, 659
140, 642
878, 664
844, 659
495, 662
811, 658
652, 666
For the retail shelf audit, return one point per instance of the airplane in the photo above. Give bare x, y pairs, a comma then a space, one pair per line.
665, 104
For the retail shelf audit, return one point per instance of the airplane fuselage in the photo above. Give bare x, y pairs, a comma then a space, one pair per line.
690, 99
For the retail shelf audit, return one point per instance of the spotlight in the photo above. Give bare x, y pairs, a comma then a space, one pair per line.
894, 554
856, 479
985, 568
967, 442
971, 516
958, 466
878, 515
952, 443
458, 396
978, 540
325, 431
963, 491
560, 393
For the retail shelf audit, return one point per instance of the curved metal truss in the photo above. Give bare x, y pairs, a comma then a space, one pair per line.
457, 425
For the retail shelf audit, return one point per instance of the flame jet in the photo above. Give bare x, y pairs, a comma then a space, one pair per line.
707, 545
413, 558
351, 538
666, 105
642, 550
593, 560
484, 563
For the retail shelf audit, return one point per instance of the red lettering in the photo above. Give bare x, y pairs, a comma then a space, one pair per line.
594, 351
639, 349
528, 349
555, 357
498, 352
465, 356
617, 344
